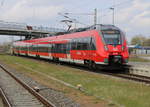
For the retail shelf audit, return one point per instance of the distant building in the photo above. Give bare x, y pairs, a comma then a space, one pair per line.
136, 49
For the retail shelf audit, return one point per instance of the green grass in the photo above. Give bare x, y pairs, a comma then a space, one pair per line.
127, 93
145, 55
138, 59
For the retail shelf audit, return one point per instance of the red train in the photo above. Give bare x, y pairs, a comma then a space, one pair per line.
98, 44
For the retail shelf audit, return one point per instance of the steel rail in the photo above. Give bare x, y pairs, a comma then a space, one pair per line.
135, 77
4, 98
129, 76
30, 89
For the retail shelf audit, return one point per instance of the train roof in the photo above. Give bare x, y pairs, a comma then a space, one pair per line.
93, 27
107, 27
97, 27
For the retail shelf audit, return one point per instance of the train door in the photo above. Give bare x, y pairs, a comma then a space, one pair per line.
73, 49
37, 50
90, 48
27, 49
68, 48
91, 63
50, 51
53, 51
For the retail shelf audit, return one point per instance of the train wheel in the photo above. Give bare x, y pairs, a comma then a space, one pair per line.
92, 65
37, 56
86, 63
56, 60
26, 54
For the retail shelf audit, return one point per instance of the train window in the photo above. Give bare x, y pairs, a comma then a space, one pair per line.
64, 48
87, 43
20, 48
42, 48
83, 44
93, 44
25, 48
59, 48
112, 37
31, 48
50, 48
56, 48
53, 48
79, 44
68, 47
73, 44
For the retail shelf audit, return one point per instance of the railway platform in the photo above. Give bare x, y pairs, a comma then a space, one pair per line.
148, 58
140, 68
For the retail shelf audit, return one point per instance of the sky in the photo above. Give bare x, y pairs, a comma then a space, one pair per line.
132, 16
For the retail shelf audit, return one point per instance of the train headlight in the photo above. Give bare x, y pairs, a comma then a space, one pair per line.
123, 48
105, 47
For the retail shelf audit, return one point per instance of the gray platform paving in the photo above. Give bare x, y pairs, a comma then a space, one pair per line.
143, 68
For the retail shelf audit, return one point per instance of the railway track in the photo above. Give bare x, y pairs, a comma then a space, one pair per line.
17, 93
135, 77
5, 100
129, 76
121, 74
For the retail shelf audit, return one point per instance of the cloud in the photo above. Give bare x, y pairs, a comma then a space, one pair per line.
135, 19
133, 16
24, 10
134, 12
141, 20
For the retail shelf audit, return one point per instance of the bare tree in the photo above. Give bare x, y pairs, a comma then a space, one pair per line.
139, 39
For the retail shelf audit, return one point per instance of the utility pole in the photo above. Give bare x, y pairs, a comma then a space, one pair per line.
95, 16
113, 15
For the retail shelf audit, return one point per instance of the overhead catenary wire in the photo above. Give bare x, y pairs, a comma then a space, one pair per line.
73, 20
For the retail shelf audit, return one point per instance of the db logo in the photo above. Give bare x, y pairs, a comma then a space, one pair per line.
115, 49
78, 53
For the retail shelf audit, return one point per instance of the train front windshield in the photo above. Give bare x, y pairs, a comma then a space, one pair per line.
112, 37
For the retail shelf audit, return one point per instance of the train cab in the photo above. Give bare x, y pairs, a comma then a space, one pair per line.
115, 45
